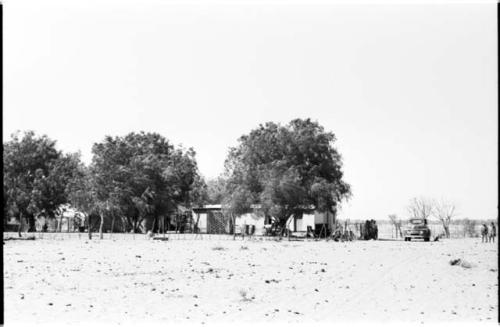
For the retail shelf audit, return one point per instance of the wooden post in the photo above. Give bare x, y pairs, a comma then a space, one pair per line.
89, 227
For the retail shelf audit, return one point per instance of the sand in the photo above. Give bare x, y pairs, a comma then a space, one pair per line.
210, 281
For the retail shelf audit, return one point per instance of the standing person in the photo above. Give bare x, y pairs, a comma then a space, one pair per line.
484, 233
375, 229
492, 232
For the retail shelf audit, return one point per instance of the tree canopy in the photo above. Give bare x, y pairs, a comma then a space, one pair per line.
142, 175
35, 176
216, 190
285, 169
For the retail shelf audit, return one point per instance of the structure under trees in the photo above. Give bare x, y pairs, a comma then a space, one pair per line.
138, 177
35, 177
286, 169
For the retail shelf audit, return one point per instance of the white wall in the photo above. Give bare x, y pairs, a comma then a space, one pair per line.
311, 220
202, 223
251, 219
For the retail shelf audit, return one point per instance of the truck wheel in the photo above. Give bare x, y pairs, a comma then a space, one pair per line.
426, 239
409, 239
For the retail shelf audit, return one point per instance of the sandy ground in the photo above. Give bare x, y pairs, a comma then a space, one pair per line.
207, 281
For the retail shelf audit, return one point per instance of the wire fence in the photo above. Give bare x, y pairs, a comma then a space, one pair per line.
125, 236
385, 231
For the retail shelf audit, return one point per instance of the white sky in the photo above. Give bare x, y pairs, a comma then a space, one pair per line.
410, 91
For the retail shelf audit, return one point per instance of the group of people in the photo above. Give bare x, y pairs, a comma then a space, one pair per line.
340, 233
488, 233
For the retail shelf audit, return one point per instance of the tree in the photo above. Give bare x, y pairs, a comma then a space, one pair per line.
396, 221
216, 190
421, 208
199, 193
286, 169
141, 175
445, 211
35, 176
82, 195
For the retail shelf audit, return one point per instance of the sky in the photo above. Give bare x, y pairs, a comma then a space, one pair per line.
410, 91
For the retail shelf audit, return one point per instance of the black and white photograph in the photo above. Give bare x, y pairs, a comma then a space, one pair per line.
249, 163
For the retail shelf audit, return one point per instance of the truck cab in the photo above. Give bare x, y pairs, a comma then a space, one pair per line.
417, 229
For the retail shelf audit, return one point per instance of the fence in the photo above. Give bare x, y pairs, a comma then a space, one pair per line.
119, 236
387, 230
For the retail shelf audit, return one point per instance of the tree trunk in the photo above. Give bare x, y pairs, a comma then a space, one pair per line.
447, 231
31, 224
134, 225
112, 224
233, 218
89, 227
195, 227
126, 224
101, 225
153, 227
20, 227
136, 222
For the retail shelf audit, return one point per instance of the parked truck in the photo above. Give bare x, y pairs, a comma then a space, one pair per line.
417, 229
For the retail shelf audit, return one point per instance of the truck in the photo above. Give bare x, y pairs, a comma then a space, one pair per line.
417, 229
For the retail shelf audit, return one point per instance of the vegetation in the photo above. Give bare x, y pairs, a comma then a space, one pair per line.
135, 177
285, 169
443, 211
35, 177
138, 179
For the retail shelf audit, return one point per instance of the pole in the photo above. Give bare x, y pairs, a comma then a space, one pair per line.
89, 227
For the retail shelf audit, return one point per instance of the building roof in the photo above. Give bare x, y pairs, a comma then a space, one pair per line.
208, 207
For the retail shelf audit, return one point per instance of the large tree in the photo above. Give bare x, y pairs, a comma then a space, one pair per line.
285, 169
141, 175
35, 176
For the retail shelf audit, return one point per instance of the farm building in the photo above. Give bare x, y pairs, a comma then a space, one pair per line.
211, 220
319, 222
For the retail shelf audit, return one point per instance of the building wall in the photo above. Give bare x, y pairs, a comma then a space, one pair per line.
311, 219
252, 219
202, 222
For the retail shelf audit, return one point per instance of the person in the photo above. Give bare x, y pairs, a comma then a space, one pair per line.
375, 229
492, 232
368, 230
484, 233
